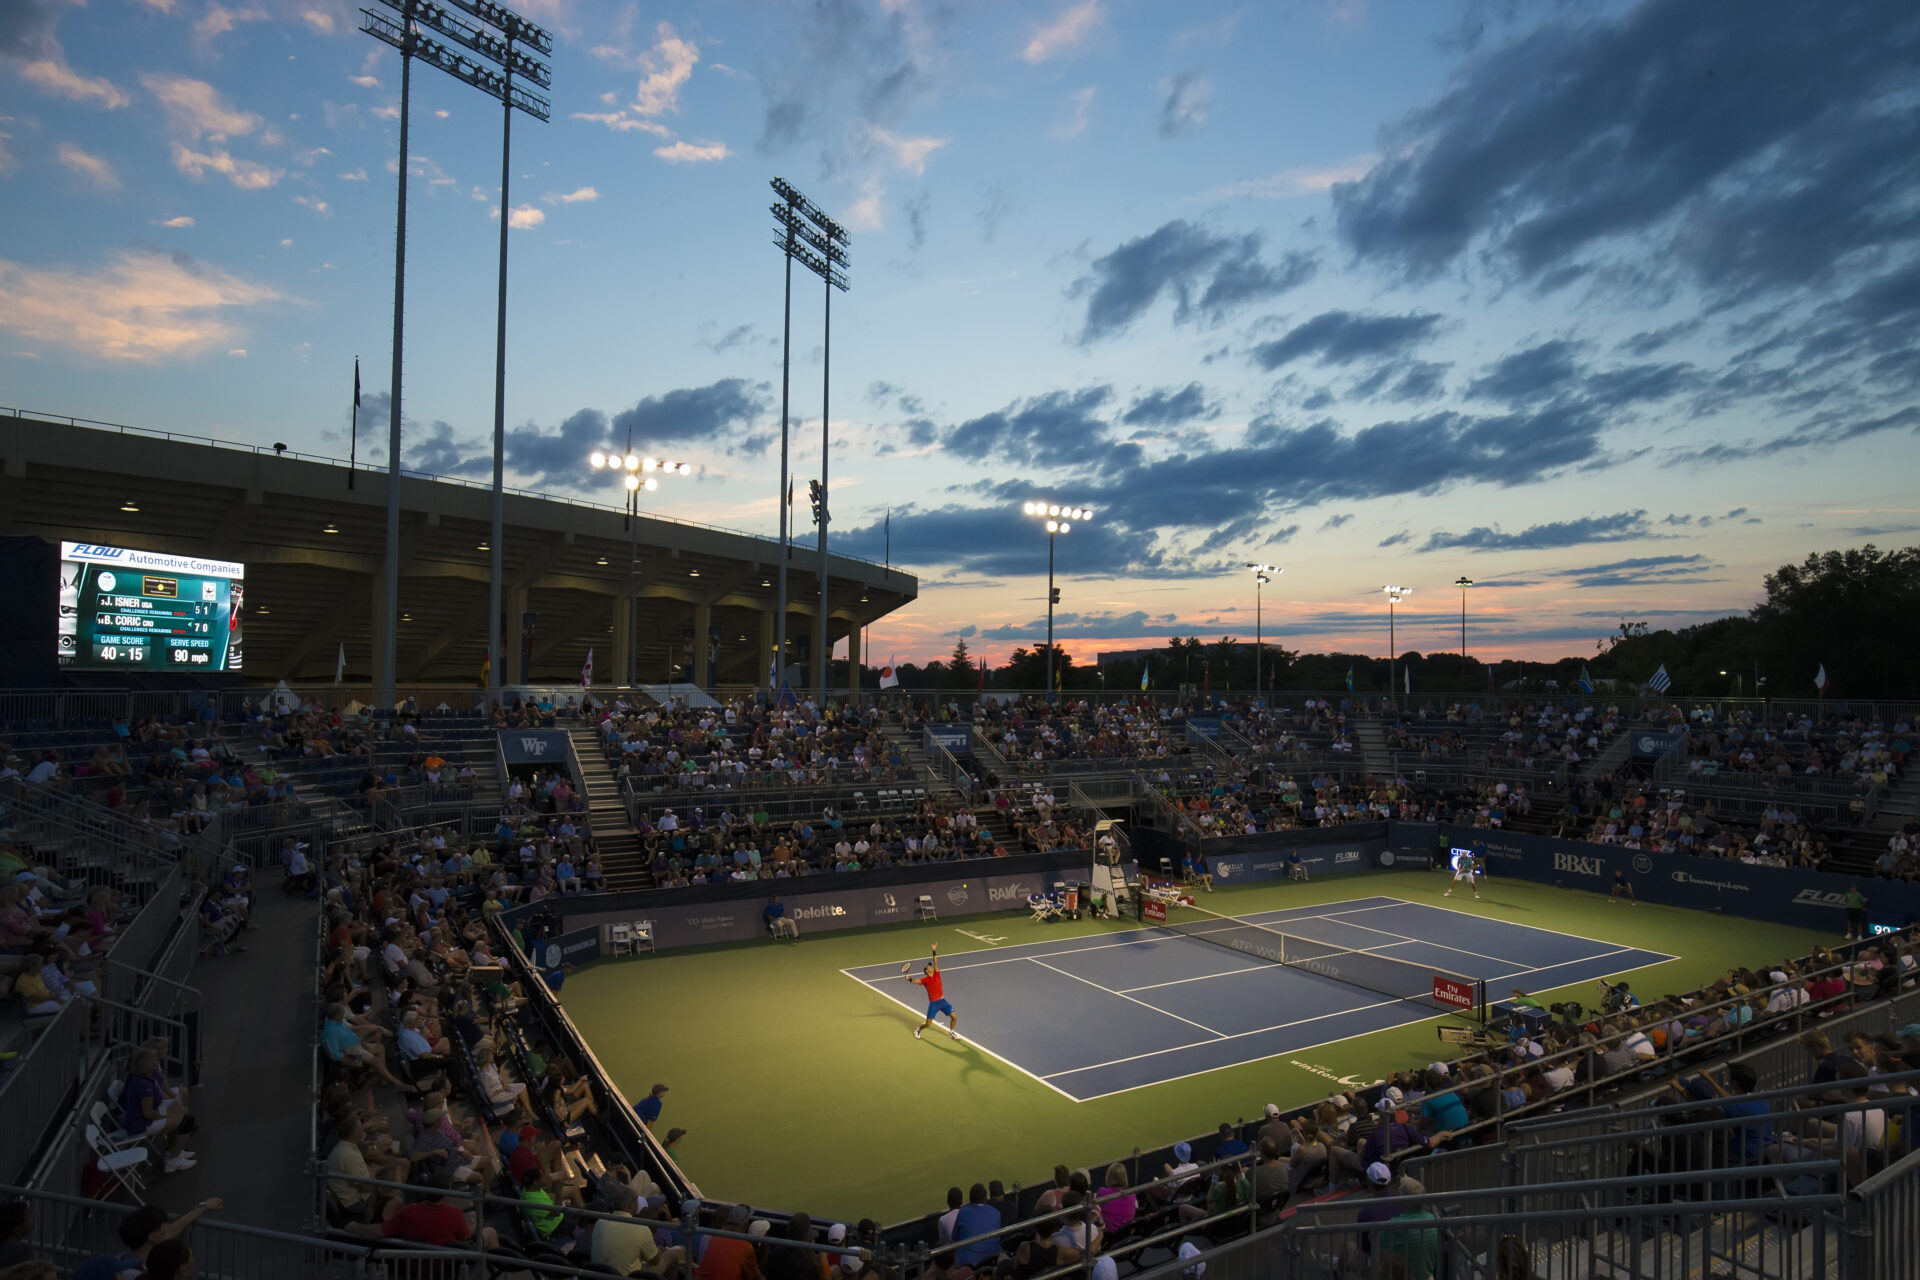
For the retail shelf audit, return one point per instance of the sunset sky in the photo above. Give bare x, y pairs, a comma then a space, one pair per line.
1608, 307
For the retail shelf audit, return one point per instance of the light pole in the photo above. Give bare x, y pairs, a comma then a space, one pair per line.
498, 39
1262, 575
639, 473
798, 224
1394, 596
1059, 520
1463, 582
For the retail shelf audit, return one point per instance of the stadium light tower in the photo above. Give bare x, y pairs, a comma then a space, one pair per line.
494, 40
802, 231
1463, 582
640, 475
1059, 520
1394, 596
1262, 575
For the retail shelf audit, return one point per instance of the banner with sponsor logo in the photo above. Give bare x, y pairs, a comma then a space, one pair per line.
1453, 992
1207, 727
1155, 910
1354, 846
1653, 744
956, 738
567, 949
1784, 895
707, 914
534, 746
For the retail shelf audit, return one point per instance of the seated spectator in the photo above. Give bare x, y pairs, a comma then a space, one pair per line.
430, 1221
1119, 1207
729, 1259
626, 1245
978, 1221
508, 1098
150, 1106
141, 1232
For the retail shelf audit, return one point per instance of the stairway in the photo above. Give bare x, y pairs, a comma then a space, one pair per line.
1373, 745
920, 765
621, 858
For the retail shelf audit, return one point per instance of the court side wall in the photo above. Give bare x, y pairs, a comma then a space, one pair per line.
1783, 895
731, 912
1353, 846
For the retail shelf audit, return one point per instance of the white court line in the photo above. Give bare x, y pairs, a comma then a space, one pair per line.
1515, 923
1155, 933
1199, 1044
1549, 968
1218, 1035
921, 1013
1261, 968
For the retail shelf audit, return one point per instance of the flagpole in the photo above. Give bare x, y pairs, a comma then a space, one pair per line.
353, 445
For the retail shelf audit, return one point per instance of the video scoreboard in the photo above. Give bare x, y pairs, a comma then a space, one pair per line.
121, 609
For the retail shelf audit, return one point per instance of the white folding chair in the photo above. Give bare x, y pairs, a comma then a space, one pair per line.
1041, 906
620, 938
643, 936
122, 1165
110, 1131
923, 907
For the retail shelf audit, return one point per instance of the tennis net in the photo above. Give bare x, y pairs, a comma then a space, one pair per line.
1384, 975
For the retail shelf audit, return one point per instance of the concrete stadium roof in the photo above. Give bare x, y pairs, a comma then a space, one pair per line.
309, 590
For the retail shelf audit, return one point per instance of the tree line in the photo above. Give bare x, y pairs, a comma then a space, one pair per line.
1856, 613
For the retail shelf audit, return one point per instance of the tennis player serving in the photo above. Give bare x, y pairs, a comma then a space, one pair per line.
937, 1001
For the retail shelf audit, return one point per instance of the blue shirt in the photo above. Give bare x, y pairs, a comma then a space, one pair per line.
774, 910
648, 1109
976, 1220
413, 1044
338, 1037
1445, 1111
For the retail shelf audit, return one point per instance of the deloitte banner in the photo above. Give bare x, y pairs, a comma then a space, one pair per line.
1355, 846
1784, 895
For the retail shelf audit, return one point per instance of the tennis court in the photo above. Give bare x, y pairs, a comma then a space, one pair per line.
1093, 1016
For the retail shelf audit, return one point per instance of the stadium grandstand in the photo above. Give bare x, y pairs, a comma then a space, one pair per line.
297, 984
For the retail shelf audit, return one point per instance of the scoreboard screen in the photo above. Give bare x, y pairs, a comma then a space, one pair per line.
122, 609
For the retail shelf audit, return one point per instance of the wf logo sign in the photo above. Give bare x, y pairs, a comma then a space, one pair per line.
534, 746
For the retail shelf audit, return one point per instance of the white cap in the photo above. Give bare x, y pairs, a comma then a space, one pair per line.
1379, 1174
1104, 1268
1273, 1111
759, 1227
1441, 1068
837, 1233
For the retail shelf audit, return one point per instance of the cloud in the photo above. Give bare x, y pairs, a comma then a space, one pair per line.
1170, 407
1065, 33
908, 153
195, 109
693, 152
1185, 106
238, 351
8, 163
1342, 337
1691, 131
182, 221
524, 217
1079, 114
1295, 182
141, 306
866, 213
53, 75
366, 82
319, 20
244, 174
1183, 259
580, 195
997, 541
218, 20
1396, 539
916, 211
621, 122
998, 205
91, 167
1060, 428
739, 334
667, 67
1335, 521
1537, 373
1639, 571
1090, 626
1625, 526
320, 207
354, 175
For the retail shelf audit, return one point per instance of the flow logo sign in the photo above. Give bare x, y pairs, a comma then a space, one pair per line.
1817, 898
1578, 865
1346, 855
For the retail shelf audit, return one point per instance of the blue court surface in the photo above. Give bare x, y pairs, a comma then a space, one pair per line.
1094, 1016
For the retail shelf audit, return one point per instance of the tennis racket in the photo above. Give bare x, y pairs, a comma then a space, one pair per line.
933, 948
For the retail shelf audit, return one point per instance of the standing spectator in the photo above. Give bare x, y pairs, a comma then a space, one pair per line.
648, 1108
1856, 914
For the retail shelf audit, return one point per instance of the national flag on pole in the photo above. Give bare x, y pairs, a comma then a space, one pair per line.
1349, 678
486, 670
1661, 681
889, 676
1406, 678
1820, 678
586, 670
1145, 669
340, 664
1059, 678
356, 382
1585, 683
